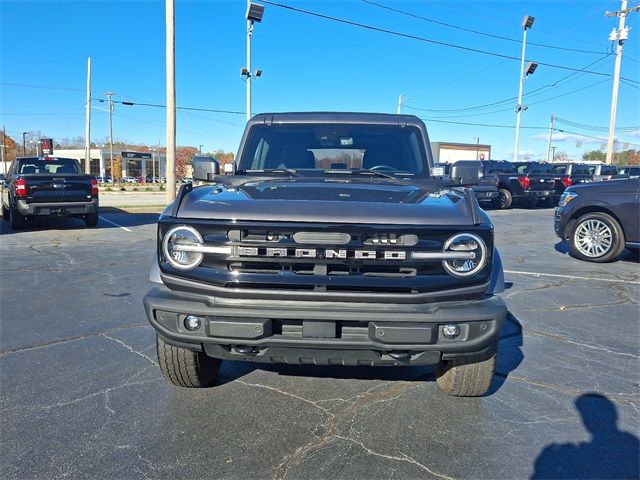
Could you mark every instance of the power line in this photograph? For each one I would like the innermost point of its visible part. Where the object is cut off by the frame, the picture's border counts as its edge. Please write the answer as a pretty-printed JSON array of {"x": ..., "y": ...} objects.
[
  {"x": 480, "y": 124},
  {"x": 424, "y": 39},
  {"x": 593, "y": 127},
  {"x": 158, "y": 105},
  {"x": 43, "y": 87},
  {"x": 499, "y": 37},
  {"x": 603, "y": 140},
  {"x": 506, "y": 100}
]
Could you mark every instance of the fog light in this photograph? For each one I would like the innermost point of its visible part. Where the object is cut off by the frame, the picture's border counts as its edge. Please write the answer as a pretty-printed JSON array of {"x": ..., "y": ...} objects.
[
  {"x": 192, "y": 323},
  {"x": 451, "y": 330}
]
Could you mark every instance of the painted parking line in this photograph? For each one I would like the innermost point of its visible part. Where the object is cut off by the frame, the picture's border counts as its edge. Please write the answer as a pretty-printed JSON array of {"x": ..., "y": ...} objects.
[
  {"x": 114, "y": 223},
  {"x": 572, "y": 277}
]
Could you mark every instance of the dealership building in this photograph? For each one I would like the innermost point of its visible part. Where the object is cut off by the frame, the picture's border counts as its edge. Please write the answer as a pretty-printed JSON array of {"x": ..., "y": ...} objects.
[{"x": 134, "y": 164}]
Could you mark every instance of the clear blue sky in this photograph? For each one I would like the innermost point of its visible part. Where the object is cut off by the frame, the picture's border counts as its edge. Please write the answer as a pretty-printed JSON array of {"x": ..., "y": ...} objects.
[{"x": 310, "y": 63}]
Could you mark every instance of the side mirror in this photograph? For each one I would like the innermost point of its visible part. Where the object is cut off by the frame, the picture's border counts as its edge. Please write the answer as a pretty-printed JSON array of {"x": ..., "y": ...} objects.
[
  {"x": 205, "y": 168},
  {"x": 466, "y": 172}
]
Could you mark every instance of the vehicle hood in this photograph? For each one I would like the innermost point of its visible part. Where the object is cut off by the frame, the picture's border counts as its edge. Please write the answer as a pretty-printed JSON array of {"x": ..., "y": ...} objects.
[
  {"x": 367, "y": 200},
  {"x": 620, "y": 185}
]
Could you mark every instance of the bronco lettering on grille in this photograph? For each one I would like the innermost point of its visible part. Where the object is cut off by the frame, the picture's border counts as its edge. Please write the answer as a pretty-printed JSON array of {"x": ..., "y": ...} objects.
[{"x": 321, "y": 253}]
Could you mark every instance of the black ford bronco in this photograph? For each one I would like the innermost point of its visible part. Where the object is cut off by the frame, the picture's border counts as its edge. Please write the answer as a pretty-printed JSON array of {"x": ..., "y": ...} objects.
[{"x": 330, "y": 244}]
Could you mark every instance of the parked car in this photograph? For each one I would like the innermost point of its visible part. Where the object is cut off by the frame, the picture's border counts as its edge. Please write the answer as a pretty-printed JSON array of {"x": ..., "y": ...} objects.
[
  {"x": 629, "y": 170},
  {"x": 486, "y": 190},
  {"x": 49, "y": 186},
  {"x": 599, "y": 219},
  {"x": 130, "y": 180},
  {"x": 523, "y": 183},
  {"x": 603, "y": 172},
  {"x": 334, "y": 246},
  {"x": 2, "y": 179},
  {"x": 567, "y": 174},
  {"x": 103, "y": 179}
]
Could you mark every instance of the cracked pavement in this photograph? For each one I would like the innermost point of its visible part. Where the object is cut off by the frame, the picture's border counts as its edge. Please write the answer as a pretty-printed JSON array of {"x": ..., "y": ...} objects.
[{"x": 82, "y": 397}]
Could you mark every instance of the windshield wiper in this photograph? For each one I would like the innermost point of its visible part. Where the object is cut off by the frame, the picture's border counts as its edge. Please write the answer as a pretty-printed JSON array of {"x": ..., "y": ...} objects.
[
  {"x": 291, "y": 172},
  {"x": 364, "y": 171}
]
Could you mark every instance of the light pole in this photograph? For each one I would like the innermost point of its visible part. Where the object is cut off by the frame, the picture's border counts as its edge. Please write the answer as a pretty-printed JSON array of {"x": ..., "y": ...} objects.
[
  {"x": 254, "y": 14},
  {"x": 527, "y": 22},
  {"x": 109, "y": 95},
  {"x": 24, "y": 144},
  {"x": 200, "y": 149},
  {"x": 477, "y": 139},
  {"x": 553, "y": 154}
]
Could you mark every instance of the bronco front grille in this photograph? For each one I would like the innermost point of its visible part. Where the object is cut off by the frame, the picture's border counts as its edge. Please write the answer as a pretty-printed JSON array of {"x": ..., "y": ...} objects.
[{"x": 365, "y": 258}]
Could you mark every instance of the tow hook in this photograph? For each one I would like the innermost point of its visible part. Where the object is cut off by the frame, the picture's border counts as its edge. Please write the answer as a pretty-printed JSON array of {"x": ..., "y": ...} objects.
[
  {"x": 400, "y": 355},
  {"x": 245, "y": 350}
]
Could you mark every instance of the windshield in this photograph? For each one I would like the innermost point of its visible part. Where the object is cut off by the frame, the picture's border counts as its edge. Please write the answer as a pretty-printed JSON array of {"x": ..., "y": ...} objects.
[
  {"x": 47, "y": 165},
  {"x": 385, "y": 148}
]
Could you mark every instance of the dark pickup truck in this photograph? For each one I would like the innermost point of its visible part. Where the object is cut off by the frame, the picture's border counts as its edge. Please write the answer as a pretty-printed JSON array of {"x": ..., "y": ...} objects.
[
  {"x": 486, "y": 190},
  {"x": 600, "y": 219},
  {"x": 48, "y": 186},
  {"x": 330, "y": 244},
  {"x": 523, "y": 183},
  {"x": 567, "y": 174}
]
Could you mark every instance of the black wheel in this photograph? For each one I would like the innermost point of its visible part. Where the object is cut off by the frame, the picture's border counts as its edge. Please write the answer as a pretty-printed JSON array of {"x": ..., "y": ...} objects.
[
  {"x": 186, "y": 368},
  {"x": 504, "y": 199},
  {"x": 596, "y": 237},
  {"x": 466, "y": 378},
  {"x": 16, "y": 219},
  {"x": 91, "y": 219}
]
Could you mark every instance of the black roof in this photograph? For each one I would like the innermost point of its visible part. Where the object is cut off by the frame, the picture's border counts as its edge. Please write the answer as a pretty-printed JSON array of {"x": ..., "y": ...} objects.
[{"x": 337, "y": 117}]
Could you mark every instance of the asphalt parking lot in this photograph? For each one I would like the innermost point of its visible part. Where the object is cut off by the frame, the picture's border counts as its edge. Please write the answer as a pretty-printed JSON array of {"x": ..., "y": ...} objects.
[{"x": 82, "y": 396}]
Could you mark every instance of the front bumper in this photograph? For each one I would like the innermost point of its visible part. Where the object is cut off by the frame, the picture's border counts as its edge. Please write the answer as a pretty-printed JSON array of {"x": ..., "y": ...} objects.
[
  {"x": 561, "y": 221},
  {"x": 340, "y": 333},
  {"x": 541, "y": 194},
  {"x": 486, "y": 196},
  {"x": 57, "y": 209}
]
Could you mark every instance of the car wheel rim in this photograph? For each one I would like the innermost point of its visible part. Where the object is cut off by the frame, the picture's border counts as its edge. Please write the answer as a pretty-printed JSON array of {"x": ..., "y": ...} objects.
[{"x": 593, "y": 238}]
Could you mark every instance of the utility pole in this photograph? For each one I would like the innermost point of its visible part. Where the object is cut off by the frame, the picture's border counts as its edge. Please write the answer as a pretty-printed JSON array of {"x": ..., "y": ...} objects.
[
  {"x": 549, "y": 141},
  {"x": 399, "y": 104},
  {"x": 477, "y": 148},
  {"x": 24, "y": 144},
  {"x": 87, "y": 126},
  {"x": 553, "y": 152},
  {"x": 527, "y": 22},
  {"x": 171, "y": 99},
  {"x": 109, "y": 95},
  {"x": 618, "y": 36}
]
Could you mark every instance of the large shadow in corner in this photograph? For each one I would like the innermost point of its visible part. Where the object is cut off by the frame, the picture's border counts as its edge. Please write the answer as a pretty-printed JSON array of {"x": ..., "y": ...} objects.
[
  {"x": 510, "y": 354},
  {"x": 611, "y": 453}
]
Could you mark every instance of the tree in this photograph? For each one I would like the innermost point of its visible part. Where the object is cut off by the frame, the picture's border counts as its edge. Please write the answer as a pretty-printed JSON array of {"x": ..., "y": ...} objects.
[
  {"x": 594, "y": 155},
  {"x": 561, "y": 157},
  {"x": 117, "y": 168},
  {"x": 224, "y": 157},
  {"x": 184, "y": 155},
  {"x": 12, "y": 150}
]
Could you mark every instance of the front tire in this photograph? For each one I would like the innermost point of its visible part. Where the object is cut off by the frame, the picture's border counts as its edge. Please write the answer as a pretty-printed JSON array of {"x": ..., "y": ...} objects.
[
  {"x": 504, "y": 199},
  {"x": 91, "y": 219},
  {"x": 186, "y": 368},
  {"x": 460, "y": 378},
  {"x": 596, "y": 237}
]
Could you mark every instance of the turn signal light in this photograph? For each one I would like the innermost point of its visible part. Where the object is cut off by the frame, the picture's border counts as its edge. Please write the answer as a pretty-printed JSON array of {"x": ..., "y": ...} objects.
[
  {"x": 525, "y": 182},
  {"x": 566, "y": 181},
  {"x": 21, "y": 188},
  {"x": 94, "y": 187}
]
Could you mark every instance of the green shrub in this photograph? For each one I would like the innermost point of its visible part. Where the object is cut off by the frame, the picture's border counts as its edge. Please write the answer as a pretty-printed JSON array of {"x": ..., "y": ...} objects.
[
  {"x": 135, "y": 189},
  {"x": 108, "y": 189}
]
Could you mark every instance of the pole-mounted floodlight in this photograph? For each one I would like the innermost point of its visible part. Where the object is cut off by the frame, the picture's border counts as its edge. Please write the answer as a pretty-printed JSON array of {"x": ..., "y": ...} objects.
[
  {"x": 530, "y": 68},
  {"x": 255, "y": 12},
  {"x": 527, "y": 21}
]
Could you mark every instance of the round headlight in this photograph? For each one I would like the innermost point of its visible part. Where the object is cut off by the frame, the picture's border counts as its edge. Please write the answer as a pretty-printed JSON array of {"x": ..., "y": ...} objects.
[
  {"x": 177, "y": 247},
  {"x": 472, "y": 253}
]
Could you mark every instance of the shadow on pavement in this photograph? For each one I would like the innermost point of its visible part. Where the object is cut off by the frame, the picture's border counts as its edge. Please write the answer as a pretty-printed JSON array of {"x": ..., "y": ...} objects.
[
  {"x": 611, "y": 453},
  {"x": 632, "y": 256},
  {"x": 510, "y": 354}
]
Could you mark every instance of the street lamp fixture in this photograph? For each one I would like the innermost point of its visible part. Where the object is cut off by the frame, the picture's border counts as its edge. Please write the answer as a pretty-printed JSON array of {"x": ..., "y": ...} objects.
[
  {"x": 255, "y": 12},
  {"x": 530, "y": 69},
  {"x": 527, "y": 21}
]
